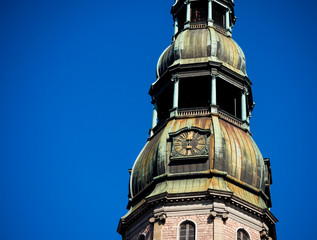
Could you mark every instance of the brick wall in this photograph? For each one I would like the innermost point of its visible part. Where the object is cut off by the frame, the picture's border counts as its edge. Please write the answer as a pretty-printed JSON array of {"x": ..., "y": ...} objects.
[
  {"x": 204, "y": 225},
  {"x": 232, "y": 226}
]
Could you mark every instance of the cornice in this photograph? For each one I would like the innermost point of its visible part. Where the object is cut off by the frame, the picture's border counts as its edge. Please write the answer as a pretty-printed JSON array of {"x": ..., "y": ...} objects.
[{"x": 210, "y": 198}]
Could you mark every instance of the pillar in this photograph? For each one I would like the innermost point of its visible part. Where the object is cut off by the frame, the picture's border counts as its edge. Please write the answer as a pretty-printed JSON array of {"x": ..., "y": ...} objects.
[
  {"x": 175, "y": 79},
  {"x": 228, "y": 19},
  {"x": 188, "y": 12},
  {"x": 175, "y": 26},
  {"x": 210, "y": 12},
  {"x": 243, "y": 106},
  {"x": 154, "y": 117},
  {"x": 176, "y": 92},
  {"x": 157, "y": 231},
  {"x": 213, "y": 93},
  {"x": 218, "y": 228},
  {"x": 213, "y": 90}
]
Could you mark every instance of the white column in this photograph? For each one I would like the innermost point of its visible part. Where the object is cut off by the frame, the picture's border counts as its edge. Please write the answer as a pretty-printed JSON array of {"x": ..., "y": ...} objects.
[
  {"x": 213, "y": 90},
  {"x": 176, "y": 93},
  {"x": 213, "y": 105},
  {"x": 188, "y": 11},
  {"x": 154, "y": 116},
  {"x": 243, "y": 106},
  {"x": 228, "y": 19},
  {"x": 175, "y": 26},
  {"x": 174, "y": 110},
  {"x": 210, "y": 10}
]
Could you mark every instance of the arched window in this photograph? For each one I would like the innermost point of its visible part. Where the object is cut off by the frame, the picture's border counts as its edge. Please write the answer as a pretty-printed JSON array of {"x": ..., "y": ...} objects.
[
  {"x": 187, "y": 231},
  {"x": 242, "y": 235}
]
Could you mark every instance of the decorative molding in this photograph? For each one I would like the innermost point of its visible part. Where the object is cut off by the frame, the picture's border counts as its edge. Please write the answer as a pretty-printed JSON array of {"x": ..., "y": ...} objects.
[
  {"x": 224, "y": 216},
  {"x": 198, "y": 73},
  {"x": 194, "y": 204},
  {"x": 231, "y": 81},
  {"x": 160, "y": 219},
  {"x": 175, "y": 78},
  {"x": 265, "y": 235}
]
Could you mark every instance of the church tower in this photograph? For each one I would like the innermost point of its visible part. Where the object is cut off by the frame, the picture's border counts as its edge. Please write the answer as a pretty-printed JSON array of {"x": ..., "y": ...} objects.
[{"x": 200, "y": 174}]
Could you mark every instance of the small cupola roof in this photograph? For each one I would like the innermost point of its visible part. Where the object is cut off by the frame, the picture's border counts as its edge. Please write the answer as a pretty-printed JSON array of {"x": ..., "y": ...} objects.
[{"x": 202, "y": 46}]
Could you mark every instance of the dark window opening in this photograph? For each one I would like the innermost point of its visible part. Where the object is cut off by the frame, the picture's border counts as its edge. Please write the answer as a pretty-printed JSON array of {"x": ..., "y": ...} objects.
[
  {"x": 219, "y": 15},
  {"x": 141, "y": 237},
  {"x": 199, "y": 12},
  {"x": 187, "y": 231},
  {"x": 229, "y": 98},
  {"x": 165, "y": 103},
  {"x": 194, "y": 92},
  {"x": 242, "y": 235},
  {"x": 181, "y": 17}
]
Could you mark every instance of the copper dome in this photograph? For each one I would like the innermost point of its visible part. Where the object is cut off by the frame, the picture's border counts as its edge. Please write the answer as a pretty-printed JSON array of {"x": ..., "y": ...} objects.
[
  {"x": 234, "y": 163},
  {"x": 202, "y": 45}
]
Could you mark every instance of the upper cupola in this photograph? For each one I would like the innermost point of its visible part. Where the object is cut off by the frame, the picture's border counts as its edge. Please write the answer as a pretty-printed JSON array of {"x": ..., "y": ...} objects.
[
  {"x": 202, "y": 46},
  {"x": 202, "y": 13},
  {"x": 202, "y": 34},
  {"x": 202, "y": 53}
]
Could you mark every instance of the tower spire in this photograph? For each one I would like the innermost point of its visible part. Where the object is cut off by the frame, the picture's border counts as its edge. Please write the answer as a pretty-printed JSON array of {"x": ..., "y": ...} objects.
[{"x": 200, "y": 175}]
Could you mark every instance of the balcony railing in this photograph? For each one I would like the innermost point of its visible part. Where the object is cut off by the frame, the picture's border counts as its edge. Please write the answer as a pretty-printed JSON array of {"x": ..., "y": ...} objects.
[
  {"x": 230, "y": 118},
  {"x": 195, "y": 25},
  {"x": 202, "y": 111},
  {"x": 220, "y": 29},
  {"x": 184, "y": 112}
]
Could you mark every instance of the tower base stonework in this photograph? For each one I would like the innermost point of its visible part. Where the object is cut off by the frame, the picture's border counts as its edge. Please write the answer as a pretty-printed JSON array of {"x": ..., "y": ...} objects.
[{"x": 213, "y": 220}]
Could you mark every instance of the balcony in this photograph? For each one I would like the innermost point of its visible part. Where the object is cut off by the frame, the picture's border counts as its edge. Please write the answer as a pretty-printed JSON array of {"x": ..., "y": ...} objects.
[
  {"x": 230, "y": 118},
  {"x": 185, "y": 112},
  {"x": 196, "y": 25}
]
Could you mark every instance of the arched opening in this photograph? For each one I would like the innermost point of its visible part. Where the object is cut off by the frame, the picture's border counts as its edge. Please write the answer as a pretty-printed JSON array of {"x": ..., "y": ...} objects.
[
  {"x": 219, "y": 14},
  {"x": 181, "y": 17},
  {"x": 242, "y": 235},
  {"x": 229, "y": 98},
  {"x": 199, "y": 12},
  {"x": 194, "y": 92},
  {"x": 165, "y": 103},
  {"x": 187, "y": 231}
]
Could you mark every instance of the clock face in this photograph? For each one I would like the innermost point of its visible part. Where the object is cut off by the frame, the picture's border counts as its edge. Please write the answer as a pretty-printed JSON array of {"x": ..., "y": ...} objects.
[{"x": 189, "y": 143}]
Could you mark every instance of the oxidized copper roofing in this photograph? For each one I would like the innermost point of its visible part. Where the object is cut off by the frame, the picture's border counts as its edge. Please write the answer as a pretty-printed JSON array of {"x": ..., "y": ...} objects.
[
  {"x": 238, "y": 155},
  {"x": 200, "y": 46},
  {"x": 235, "y": 164}
]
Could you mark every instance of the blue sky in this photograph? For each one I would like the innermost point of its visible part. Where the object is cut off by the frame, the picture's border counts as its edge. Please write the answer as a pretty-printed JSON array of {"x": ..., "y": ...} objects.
[{"x": 74, "y": 78}]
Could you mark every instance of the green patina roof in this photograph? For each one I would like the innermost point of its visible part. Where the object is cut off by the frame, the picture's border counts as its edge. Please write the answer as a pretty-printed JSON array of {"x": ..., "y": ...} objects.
[{"x": 234, "y": 165}]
